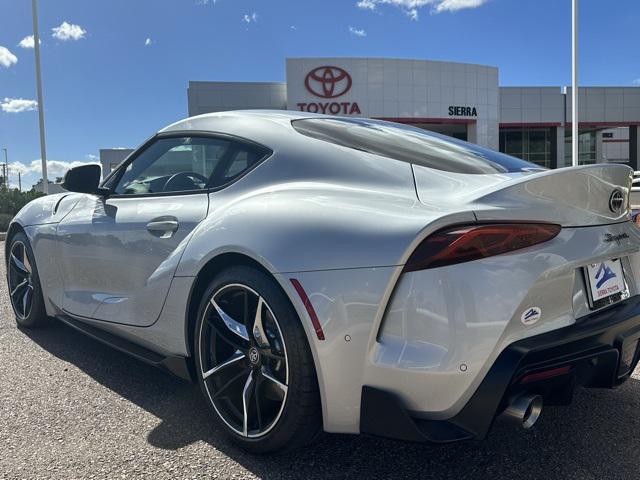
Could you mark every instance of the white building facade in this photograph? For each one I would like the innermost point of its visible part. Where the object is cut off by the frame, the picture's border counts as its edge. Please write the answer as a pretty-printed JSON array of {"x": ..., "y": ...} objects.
[
  {"x": 457, "y": 99},
  {"x": 110, "y": 158}
]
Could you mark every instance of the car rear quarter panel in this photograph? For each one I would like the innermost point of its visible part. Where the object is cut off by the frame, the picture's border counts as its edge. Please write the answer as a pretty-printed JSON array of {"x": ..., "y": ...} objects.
[{"x": 298, "y": 227}]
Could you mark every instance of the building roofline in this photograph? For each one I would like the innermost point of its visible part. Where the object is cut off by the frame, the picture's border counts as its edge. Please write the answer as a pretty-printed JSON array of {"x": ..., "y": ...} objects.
[
  {"x": 207, "y": 82},
  {"x": 340, "y": 57}
]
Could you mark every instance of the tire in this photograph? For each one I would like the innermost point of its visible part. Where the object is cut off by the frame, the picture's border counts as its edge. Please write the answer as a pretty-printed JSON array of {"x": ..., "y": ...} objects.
[
  {"x": 279, "y": 404},
  {"x": 26, "y": 300}
]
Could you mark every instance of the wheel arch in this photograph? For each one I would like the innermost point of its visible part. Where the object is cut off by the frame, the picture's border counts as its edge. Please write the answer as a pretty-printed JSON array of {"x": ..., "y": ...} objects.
[
  {"x": 14, "y": 228},
  {"x": 202, "y": 279}
]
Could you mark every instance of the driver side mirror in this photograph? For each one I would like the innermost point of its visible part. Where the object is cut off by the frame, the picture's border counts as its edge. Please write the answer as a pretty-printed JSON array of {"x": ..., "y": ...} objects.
[{"x": 84, "y": 179}]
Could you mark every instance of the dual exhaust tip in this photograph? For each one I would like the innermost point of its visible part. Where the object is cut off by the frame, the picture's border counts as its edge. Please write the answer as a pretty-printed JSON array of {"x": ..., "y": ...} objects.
[{"x": 524, "y": 410}]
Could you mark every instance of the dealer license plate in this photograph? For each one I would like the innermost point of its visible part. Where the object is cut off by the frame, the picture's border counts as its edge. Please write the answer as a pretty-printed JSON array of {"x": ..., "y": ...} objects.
[{"x": 606, "y": 282}]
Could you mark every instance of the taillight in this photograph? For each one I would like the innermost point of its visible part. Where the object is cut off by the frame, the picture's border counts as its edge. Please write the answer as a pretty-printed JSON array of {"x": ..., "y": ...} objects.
[{"x": 472, "y": 242}]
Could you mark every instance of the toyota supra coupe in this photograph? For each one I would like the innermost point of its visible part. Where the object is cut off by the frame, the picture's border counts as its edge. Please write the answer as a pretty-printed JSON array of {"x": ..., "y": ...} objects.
[{"x": 341, "y": 274}]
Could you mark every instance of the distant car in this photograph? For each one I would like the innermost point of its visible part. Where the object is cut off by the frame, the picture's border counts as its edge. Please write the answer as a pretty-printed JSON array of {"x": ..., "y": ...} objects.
[{"x": 348, "y": 274}]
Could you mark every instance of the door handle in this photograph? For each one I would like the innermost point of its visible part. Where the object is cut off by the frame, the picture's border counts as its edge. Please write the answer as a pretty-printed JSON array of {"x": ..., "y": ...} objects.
[{"x": 162, "y": 228}]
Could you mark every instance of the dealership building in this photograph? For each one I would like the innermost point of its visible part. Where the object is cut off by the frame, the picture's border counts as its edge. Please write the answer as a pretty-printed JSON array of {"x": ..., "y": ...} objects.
[{"x": 457, "y": 99}]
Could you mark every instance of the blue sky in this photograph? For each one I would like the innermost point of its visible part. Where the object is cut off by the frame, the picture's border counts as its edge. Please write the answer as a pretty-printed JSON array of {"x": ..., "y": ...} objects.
[{"x": 105, "y": 85}]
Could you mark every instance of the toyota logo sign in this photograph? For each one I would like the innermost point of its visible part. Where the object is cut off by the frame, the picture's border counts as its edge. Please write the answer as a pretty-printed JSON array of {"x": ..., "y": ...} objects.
[
  {"x": 328, "y": 82},
  {"x": 616, "y": 201}
]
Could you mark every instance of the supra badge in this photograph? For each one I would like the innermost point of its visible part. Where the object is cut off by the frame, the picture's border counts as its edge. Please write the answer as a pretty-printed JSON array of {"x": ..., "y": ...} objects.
[
  {"x": 609, "y": 237},
  {"x": 531, "y": 315}
]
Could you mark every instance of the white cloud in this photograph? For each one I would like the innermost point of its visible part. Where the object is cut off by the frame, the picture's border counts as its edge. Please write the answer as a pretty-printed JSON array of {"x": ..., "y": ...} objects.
[
  {"x": 91, "y": 157},
  {"x": 68, "y": 31},
  {"x": 28, "y": 42},
  {"x": 32, "y": 172},
  {"x": 55, "y": 168},
  {"x": 412, "y": 7},
  {"x": 636, "y": 81},
  {"x": 17, "y": 105},
  {"x": 250, "y": 18},
  {"x": 367, "y": 4},
  {"x": 455, "y": 5},
  {"x": 7, "y": 58},
  {"x": 358, "y": 32},
  {"x": 148, "y": 42},
  {"x": 293, "y": 27}
]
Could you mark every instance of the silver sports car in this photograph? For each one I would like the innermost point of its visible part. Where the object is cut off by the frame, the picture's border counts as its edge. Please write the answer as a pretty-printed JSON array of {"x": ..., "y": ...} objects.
[{"x": 352, "y": 275}]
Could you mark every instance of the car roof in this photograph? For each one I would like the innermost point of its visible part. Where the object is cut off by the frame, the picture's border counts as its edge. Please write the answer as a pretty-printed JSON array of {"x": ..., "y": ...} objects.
[{"x": 278, "y": 116}]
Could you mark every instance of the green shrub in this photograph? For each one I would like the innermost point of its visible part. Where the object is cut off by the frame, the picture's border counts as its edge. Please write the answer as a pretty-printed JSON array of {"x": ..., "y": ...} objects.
[
  {"x": 11, "y": 201},
  {"x": 5, "y": 219}
]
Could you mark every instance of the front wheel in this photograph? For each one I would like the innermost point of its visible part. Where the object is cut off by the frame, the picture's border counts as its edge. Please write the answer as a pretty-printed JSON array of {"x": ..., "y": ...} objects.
[
  {"x": 254, "y": 363},
  {"x": 24, "y": 284}
]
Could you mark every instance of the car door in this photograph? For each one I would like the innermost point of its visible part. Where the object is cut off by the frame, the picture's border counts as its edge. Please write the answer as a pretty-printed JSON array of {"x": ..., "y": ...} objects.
[{"x": 119, "y": 252}]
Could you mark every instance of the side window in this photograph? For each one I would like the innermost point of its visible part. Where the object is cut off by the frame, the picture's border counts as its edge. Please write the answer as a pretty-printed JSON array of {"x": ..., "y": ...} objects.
[
  {"x": 241, "y": 159},
  {"x": 174, "y": 165}
]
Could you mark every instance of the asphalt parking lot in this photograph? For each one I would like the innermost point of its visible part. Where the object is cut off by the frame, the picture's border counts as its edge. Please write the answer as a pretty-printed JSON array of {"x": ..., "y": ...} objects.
[{"x": 71, "y": 407}]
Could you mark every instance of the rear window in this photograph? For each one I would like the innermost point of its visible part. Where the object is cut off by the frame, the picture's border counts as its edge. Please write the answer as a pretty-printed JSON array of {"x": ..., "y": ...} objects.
[{"x": 411, "y": 145}]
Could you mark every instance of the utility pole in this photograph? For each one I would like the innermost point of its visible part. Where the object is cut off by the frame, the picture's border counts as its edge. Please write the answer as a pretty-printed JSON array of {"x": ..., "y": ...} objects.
[
  {"x": 574, "y": 86},
  {"x": 5, "y": 169},
  {"x": 43, "y": 147},
  {"x": 19, "y": 181}
]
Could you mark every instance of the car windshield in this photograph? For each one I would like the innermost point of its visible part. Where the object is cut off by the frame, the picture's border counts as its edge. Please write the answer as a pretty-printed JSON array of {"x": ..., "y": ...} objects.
[{"x": 411, "y": 144}]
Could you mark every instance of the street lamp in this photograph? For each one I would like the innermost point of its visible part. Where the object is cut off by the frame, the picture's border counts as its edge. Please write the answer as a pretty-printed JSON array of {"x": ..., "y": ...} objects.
[{"x": 36, "y": 46}]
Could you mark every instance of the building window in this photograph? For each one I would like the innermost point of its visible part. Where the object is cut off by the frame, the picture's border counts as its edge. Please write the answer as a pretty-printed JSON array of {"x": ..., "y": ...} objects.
[
  {"x": 531, "y": 144},
  {"x": 615, "y": 145},
  {"x": 586, "y": 147}
]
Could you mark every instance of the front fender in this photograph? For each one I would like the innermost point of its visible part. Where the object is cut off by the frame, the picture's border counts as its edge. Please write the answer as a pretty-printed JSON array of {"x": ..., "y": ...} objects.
[
  {"x": 39, "y": 220},
  {"x": 47, "y": 209}
]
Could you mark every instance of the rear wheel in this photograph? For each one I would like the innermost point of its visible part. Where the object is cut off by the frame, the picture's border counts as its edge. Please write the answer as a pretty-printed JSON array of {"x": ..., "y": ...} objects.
[
  {"x": 24, "y": 284},
  {"x": 254, "y": 363}
]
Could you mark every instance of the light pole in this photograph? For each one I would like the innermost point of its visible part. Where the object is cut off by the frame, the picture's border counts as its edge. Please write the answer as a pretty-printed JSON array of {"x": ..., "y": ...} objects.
[
  {"x": 43, "y": 147},
  {"x": 574, "y": 85}
]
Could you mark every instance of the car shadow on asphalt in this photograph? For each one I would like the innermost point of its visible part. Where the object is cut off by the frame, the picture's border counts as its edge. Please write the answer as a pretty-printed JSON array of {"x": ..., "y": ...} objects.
[{"x": 596, "y": 437}]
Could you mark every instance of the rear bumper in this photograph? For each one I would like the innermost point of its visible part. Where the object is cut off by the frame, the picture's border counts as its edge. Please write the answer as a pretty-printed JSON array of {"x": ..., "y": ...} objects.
[{"x": 601, "y": 350}]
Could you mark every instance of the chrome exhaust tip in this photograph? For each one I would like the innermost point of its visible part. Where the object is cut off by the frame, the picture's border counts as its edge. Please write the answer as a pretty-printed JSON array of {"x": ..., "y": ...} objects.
[{"x": 524, "y": 410}]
